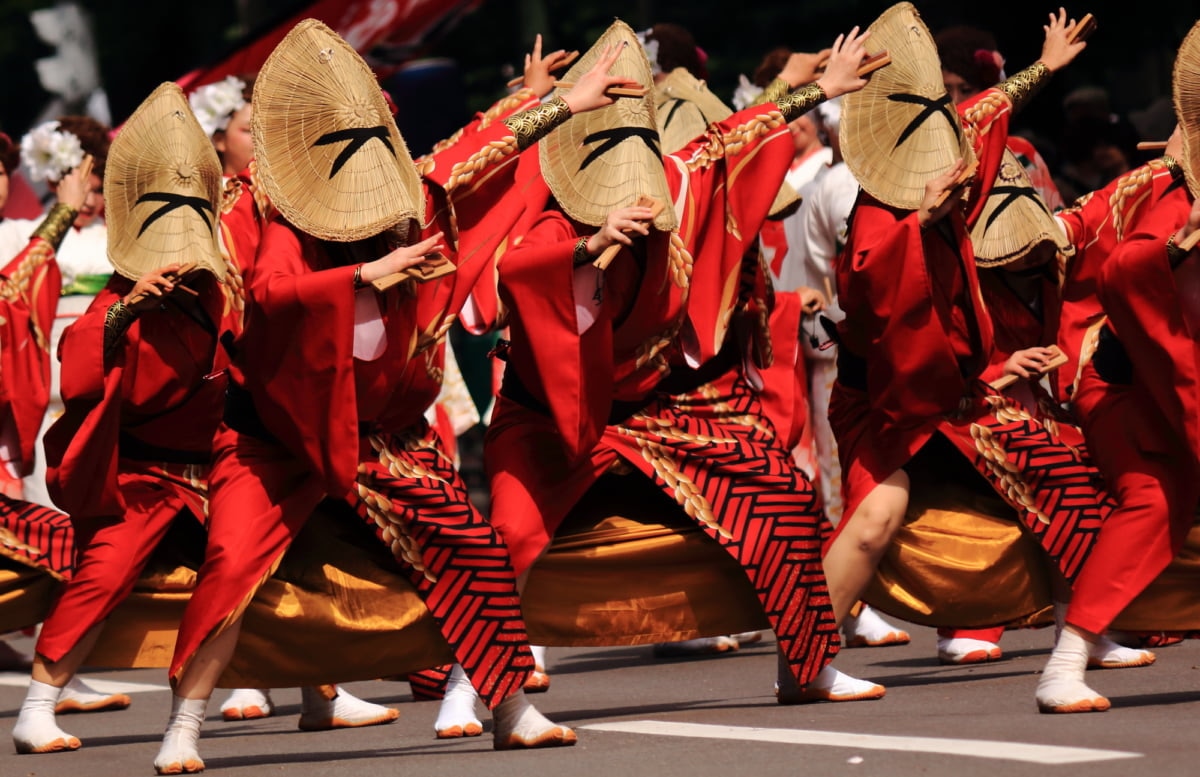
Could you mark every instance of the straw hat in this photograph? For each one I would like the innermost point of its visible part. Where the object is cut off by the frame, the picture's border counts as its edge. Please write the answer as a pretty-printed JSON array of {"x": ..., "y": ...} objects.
[
  {"x": 901, "y": 129},
  {"x": 162, "y": 189},
  {"x": 685, "y": 106},
  {"x": 1185, "y": 84},
  {"x": 328, "y": 152},
  {"x": 605, "y": 159},
  {"x": 1015, "y": 219}
]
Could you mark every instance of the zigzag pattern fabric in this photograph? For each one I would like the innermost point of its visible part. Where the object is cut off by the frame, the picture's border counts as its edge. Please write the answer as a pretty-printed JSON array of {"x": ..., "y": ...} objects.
[
  {"x": 1054, "y": 488},
  {"x": 414, "y": 497},
  {"x": 714, "y": 453},
  {"x": 36, "y": 535}
]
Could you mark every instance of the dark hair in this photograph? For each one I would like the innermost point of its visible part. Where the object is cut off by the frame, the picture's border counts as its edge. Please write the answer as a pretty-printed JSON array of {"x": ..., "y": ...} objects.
[
  {"x": 969, "y": 52},
  {"x": 93, "y": 136},
  {"x": 10, "y": 154},
  {"x": 677, "y": 48},
  {"x": 771, "y": 66}
]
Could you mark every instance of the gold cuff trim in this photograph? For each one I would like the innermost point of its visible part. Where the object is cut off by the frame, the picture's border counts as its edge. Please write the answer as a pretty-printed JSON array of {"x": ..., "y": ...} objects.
[
  {"x": 116, "y": 321},
  {"x": 775, "y": 91},
  {"x": 54, "y": 227},
  {"x": 801, "y": 101},
  {"x": 1021, "y": 86},
  {"x": 581, "y": 256},
  {"x": 1173, "y": 166},
  {"x": 530, "y": 126},
  {"x": 1175, "y": 254}
]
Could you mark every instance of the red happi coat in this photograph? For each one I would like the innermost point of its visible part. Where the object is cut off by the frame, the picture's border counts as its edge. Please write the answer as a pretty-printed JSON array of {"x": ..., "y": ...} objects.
[
  {"x": 163, "y": 389},
  {"x": 1095, "y": 224},
  {"x": 914, "y": 314},
  {"x": 298, "y": 360},
  {"x": 29, "y": 291},
  {"x": 580, "y": 380},
  {"x": 1147, "y": 302}
]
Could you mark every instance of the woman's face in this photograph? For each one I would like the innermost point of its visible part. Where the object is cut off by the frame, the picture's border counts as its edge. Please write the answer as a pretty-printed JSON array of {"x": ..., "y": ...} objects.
[
  {"x": 235, "y": 144},
  {"x": 957, "y": 87}
]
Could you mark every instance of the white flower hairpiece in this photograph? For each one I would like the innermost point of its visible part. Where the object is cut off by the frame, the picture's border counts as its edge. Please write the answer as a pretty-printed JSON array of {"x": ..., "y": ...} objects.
[
  {"x": 214, "y": 104},
  {"x": 745, "y": 94},
  {"x": 49, "y": 153},
  {"x": 650, "y": 46}
]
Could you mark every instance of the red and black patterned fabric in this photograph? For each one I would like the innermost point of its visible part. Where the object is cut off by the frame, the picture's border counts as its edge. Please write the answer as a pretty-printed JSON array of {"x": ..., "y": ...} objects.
[{"x": 37, "y": 536}]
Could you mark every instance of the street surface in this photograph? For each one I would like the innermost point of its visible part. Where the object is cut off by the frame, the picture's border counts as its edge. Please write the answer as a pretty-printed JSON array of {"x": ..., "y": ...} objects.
[{"x": 708, "y": 717}]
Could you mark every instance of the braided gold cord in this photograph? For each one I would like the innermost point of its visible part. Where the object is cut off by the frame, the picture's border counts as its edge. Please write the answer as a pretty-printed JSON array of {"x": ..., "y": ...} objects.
[
  {"x": 1131, "y": 191},
  {"x": 730, "y": 143},
  {"x": 16, "y": 286},
  {"x": 506, "y": 105},
  {"x": 464, "y": 172},
  {"x": 680, "y": 262},
  {"x": 398, "y": 466},
  {"x": 651, "y": 350},
  {"x": 1002, "y": 468},
  {"x": 10, "y": 540},
  {"x": 686, "y": 494},
  {"x": 392, "y": 528}
]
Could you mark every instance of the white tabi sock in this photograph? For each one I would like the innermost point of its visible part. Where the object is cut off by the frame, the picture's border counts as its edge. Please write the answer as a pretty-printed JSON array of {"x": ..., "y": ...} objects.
[
  {"x": 518, "y": 724},
  {"x": 1061, "y": 687},
  {"x": 456, "y": 716},
  {"x": 180, "y": 751},
  {"x": 247, "y": 704},
  {"x": 344, "y": 710},
  {"x": 36, "y": 730}
]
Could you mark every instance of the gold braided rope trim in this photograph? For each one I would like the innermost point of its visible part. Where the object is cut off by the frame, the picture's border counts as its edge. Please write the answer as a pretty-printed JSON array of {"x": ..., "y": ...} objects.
[
  {"x": 1021, "y": 86},
  {"x": 1130, "y": 192},
  {"x": 464, "y": 172},
  {"x": 392, "y": 528},
  {"x": 1004, "y": 470},
  {"x": 432, "y": 369},
  {"x": 397, "y": 466},
  {"x": 16, "y": 286},
  {"x": 686, "y": 494},
  {"x": 651, "y": 350},
  {"x": 266, "y": 210},
  {"x": 720, "y": 146},
  {"x": 530, "y": 126},
  {"x": 230, "y": 195},
  {"x": 440, "y": 146},
  {"x": 658, "y": 428},
  {"x": 10, "y": 540},
  {"x": 680, "y": 262},
  {"x": 234, "y": 285},
  {"x": 975, "y": 117},
  {"x": 506, "y": 105}
]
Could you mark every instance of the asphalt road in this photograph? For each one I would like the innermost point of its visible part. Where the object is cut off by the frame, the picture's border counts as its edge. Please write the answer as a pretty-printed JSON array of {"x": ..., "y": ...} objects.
[{"x": 637, "y": 715}]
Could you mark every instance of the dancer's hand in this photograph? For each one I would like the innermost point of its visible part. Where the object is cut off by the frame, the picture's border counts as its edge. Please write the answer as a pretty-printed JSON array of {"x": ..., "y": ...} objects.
[
  {"x": 590, "y": 92},
  {"x": 1028, "y": 363},
  {"x": 802, "y": 68},
  {"x": 811, "y": 300},
  {"x": 933, "y": 208},
  {"x": 1058, "y": 51},
  {"x": 841, "y": 74},
  {"x": 75, "y": 186},
  {"x": 633, "y": 219},
  {"x": 152, "y": 288},
  {"x": 538, "y": 68},
  {"x": 401, "y": 259}
]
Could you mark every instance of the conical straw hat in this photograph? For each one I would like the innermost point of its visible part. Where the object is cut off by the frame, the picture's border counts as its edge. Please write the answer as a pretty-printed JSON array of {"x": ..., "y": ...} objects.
[
  {"x": 901, "y": 129},
  {"x": 605, "y": 159},
  {"x": 162, "y": 189},
  {"x": 1185, "y": 84},
  {"x": 328, "y": 152},
  {"x": 685, "y": 106},
  {"x": 1015, "y": 219}
]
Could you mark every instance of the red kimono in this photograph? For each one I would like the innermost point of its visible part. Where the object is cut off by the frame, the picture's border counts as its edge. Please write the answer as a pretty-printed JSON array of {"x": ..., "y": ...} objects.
[
  {"x": 583, "y": 389},
  {"x": 1137, "y": 400},
  {"x": 915, "y": 341},
  {"x": 312, "y": 416},
  {"x": 31, "y": 534},
  {"x": 131, "y": 452}
]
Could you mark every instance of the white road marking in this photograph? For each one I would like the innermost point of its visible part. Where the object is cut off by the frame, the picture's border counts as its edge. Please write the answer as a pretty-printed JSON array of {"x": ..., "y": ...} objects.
[
  {"x": 975, "y": 748},
  {"x": 19, "y": 680}
]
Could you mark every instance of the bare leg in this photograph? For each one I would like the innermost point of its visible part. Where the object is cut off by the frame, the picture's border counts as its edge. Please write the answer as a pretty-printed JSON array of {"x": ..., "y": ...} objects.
[
  {"x": 36, "y": 730},
  {"x": 854, "y": 554}
]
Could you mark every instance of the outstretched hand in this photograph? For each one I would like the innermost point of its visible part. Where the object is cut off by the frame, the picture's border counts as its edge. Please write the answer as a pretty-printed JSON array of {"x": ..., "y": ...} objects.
[
  {"x": 1058, "y": 51},
  {"x": 401, "y": 259},
  {"x": 841, "y": 74},
  {"x": 539, "y": 68},
  {"x": 590, "y": 91}
]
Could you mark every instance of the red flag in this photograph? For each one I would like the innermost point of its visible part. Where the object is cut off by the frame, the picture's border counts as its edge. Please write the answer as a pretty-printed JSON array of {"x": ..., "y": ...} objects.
[{"x": 364, "y": 24}]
